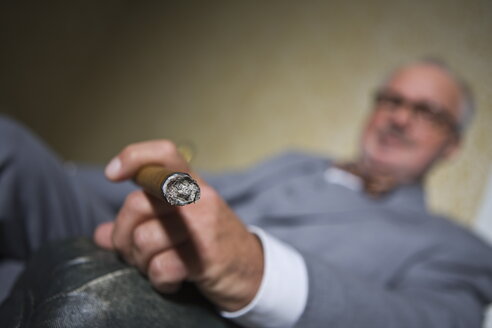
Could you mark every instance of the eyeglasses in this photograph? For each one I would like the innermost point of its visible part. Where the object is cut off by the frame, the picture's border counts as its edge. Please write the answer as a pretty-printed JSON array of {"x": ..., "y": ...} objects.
[{"x": 424, "y": 111}]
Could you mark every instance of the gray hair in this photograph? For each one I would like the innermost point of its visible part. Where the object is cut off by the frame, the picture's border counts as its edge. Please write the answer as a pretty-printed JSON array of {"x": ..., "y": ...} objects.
[{"x": 467, "y": 107}]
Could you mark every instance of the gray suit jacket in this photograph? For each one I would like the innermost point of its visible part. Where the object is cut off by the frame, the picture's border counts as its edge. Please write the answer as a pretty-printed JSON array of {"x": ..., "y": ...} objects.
[
  {"x": 379, "y": 264},
  {"x": 371, "y": 263}
]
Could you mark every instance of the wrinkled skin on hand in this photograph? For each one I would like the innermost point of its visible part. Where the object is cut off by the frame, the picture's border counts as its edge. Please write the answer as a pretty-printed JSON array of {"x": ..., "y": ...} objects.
[{"x": 204, "y": 243}]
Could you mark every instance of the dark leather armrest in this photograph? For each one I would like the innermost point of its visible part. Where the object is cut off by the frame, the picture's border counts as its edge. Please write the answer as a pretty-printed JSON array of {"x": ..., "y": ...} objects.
[{"x": 76, "y": 284}]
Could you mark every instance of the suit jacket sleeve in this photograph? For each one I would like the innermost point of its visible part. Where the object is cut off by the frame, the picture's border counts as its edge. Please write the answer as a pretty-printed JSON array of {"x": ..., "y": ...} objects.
[{"x": 439, "y": 288}]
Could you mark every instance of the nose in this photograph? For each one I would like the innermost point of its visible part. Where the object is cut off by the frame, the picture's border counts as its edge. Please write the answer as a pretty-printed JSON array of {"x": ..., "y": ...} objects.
[{"x": 402, "y": 115}]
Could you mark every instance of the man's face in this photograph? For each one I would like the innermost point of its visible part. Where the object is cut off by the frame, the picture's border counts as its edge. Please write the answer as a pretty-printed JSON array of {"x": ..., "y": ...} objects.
[{"x": 412, "y": 125}]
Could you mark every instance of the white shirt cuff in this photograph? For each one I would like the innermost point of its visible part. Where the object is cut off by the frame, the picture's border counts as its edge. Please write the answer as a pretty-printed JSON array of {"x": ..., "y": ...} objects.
[{"x": 283, "y": 291}]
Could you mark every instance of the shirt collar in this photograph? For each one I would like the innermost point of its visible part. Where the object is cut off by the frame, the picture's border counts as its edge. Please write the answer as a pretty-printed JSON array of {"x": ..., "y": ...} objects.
[
  {"x": 341, "y": 177},
  {"x": 411, "y": 196}
]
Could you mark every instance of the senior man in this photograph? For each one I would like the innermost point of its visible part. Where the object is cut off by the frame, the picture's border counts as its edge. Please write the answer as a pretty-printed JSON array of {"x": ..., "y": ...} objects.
[{"x": 306, "y": 241}]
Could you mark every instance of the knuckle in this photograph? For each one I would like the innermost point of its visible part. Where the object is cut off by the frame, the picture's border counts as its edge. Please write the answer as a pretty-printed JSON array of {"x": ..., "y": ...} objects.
[
  {"x": 167, "y": 148},
  {"x": 137, "y": 202},
  {"x": 130, "y": 198},
  {"x": 129, "y": 153},
  {"x": 140, "y": 237}
]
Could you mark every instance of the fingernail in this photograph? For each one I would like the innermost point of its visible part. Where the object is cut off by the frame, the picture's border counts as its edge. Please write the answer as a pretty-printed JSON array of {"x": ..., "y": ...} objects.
[{"x": 113, "y": 168}]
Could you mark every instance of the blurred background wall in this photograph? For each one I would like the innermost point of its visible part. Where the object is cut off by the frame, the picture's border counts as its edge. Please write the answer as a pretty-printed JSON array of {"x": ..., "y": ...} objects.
[{"x": 240, "y": 80}]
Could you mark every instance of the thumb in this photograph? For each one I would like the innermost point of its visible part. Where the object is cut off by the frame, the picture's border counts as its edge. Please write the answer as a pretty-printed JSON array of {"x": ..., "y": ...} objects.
[
  {"x": 133, "y": 157},
  {"x": 103, "y": 235}
]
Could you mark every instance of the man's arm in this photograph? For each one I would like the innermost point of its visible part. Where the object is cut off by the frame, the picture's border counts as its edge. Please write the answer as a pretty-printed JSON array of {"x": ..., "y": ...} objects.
[{"x": 232, "y": 263}]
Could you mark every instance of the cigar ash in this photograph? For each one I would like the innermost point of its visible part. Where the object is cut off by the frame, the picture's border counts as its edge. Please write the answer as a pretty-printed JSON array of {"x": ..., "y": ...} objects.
[{"x": 180, "y": 189}]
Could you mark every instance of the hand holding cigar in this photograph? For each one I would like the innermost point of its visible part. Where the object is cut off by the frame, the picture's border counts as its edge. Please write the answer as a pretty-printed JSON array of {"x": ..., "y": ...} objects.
[
  {"x": 206, "y": 243},
  {"x": 176, "y": 188}
]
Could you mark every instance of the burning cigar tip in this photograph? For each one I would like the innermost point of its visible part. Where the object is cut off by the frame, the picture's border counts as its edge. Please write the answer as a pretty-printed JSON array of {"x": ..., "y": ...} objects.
[
  {"x": 180, "y": 189},
  {"x": 176, "y": 188}
]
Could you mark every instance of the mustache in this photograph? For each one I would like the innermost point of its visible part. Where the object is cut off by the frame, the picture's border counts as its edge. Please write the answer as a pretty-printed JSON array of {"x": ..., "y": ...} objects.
[{"x": 397, "y": 132}]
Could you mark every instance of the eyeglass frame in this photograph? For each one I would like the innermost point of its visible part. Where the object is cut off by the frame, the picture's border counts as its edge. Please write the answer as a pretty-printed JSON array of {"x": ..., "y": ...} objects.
[{"x": 432, "y": 113}]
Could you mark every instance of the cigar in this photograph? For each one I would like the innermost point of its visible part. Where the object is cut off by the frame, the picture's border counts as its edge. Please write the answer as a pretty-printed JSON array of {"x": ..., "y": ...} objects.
[{"x": 176, "y": 188}]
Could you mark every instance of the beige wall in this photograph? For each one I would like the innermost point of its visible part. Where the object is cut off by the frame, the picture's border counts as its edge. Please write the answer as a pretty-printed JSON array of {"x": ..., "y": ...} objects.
[{"x": 239, "y": 79}]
